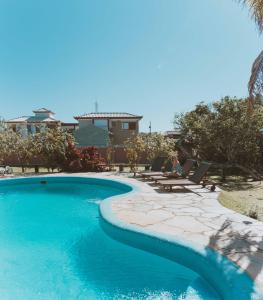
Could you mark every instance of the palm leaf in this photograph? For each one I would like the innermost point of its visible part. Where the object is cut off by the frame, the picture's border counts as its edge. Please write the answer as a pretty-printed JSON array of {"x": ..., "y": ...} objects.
[
  {"x": 255, "y": 85},
  {"x": 256, "y": 10}
]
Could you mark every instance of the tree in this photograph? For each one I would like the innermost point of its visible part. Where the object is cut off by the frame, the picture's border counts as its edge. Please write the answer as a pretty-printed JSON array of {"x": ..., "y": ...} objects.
[
  {"x": 156, "y": 144},
  {"x": 134, "y": 147},
  {"x": 223, "y": 132},
  {"x": 2, "y": 125},
  {"x": 255, "y": 85},
  {"x": 14, "y": 148},
  {"x": 149, "y": 145},
  {"x": 51, "y": 146},
  {"x": 85, "y": 159}
]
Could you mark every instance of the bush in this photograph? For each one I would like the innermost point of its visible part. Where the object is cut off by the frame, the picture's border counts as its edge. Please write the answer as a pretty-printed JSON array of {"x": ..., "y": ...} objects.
[
  {"x": 253, "y": 213},
  {"x": 224, "y": 132},
  {"x": 85, "y": 159},
  {"x": 53, "y": 148}
]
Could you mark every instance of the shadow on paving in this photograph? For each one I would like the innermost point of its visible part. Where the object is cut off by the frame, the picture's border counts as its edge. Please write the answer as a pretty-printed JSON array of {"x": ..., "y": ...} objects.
[{"x": 238, "y": 247}]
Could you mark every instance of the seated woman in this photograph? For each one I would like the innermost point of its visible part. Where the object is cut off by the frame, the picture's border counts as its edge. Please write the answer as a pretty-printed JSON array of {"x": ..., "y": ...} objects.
[{"x": 177, "y": 169}]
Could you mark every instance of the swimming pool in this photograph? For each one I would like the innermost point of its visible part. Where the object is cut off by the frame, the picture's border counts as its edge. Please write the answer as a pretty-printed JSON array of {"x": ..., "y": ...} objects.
[{"x": 53, "y": 247}]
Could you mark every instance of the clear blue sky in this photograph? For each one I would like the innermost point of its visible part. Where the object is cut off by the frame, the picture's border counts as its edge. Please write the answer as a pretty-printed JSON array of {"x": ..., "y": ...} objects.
[{"x": 148, "y": 57}]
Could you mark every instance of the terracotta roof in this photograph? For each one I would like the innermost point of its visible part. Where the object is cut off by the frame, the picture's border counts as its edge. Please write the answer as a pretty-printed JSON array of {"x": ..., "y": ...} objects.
[{"x": 108, "y": 115}]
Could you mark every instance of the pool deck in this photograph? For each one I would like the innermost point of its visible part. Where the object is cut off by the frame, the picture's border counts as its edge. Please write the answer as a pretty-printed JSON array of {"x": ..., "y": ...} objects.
[{"x": 195, "y": 216}]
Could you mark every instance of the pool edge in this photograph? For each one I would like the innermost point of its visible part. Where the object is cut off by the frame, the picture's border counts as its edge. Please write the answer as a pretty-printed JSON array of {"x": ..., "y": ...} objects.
[
  {"x": 110, "y": 223},
  {"x": 111, "y": 219}
]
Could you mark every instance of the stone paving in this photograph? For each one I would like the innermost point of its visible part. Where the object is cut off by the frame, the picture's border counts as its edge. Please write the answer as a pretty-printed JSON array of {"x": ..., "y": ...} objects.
[{"x": 195, "y": 216}]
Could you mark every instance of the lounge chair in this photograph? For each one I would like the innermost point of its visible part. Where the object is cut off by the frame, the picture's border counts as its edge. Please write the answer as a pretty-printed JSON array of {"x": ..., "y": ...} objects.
[
  {"x": 8, "y": 170},
  {"x": 157, "y": 167},
  {"x": 187, "y": 166},
  {"x": 195, "y": 179},
  {"x": 2, "y": 171}
]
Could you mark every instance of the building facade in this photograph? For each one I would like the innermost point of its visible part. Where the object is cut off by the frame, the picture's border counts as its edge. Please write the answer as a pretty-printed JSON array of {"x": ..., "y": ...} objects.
[
  {"x": 26, "y": 125},
  {"x": 104, "y": 129}
]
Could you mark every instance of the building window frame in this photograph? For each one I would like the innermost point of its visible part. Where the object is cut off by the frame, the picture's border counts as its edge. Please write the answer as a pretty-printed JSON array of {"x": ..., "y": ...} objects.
[{"x": 125, "y": 125}]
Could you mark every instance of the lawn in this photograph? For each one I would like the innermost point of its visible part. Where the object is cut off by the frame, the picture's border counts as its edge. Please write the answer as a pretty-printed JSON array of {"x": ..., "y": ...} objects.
[{"x": 245, "y": 198}]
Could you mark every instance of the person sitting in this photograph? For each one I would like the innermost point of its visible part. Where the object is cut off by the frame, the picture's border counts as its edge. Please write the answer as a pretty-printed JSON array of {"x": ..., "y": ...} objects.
[{"x": 177, "y": 169}]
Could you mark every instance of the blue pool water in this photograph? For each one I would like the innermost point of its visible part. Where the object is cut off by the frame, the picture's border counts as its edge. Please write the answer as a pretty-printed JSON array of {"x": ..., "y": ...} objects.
[{"x": 52, "y": 247}]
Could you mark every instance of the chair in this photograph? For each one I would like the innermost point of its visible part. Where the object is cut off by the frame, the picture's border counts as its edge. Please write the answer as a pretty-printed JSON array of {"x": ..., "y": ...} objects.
[
  {"x": 195, "y": 179},
  {"x": 187, "y": 166},
  {"x": 157, "y": 166},
  {"x": 8, "y": 170},
  {"x": 2, "y": 171}
]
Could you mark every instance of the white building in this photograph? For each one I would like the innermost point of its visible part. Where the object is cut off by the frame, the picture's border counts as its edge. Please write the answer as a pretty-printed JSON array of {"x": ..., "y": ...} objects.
[{"x": 26, "y": 125}]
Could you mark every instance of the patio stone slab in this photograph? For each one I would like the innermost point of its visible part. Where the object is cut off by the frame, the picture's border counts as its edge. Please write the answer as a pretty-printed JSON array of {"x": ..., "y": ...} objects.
[{"x": 196, "y": 217}]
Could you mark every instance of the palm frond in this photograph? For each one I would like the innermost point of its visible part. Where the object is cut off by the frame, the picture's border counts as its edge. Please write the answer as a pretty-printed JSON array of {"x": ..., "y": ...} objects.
[
  {"x": 256, "y": 10},
  {"x": 255, "y": 85}
]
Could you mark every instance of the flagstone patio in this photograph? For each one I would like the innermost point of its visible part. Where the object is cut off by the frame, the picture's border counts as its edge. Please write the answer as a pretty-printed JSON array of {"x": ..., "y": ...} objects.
[{"x": 194, "y": 216}]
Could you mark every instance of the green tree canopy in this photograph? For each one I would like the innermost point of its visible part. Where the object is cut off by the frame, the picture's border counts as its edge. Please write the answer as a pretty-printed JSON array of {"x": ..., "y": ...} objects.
[
  {"x": 150, "y": 146},
  {"x": 48, "y": 147},
  {"x": 224, "y": 132}
]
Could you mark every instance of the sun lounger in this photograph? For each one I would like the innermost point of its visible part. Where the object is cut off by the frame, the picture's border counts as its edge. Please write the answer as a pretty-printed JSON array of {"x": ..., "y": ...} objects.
[
  {"x": 156, "y": 168},
  {"x": 2, "y": 171},
  {"x": 8, "y": 170},
  {"x": 150, "y": 174},
  {"x": 187, "y": 166},
  {"x": 195, "y": 179}
]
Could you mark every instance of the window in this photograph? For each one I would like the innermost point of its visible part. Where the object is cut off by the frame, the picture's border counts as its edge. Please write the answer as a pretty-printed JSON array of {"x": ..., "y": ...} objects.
[
  {"x": 129, "y": 125},
  {"x": 125, "y": 125},
  {"x": 101, "y": 123}
]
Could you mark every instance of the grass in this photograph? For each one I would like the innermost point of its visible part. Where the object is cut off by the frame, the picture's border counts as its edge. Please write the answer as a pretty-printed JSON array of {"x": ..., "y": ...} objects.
[
  {"x": 28, "y": 171},
  {"x": 243, "y": 197}
]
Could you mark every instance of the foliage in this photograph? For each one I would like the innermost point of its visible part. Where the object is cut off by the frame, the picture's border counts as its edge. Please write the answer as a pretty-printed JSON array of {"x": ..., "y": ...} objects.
[
  {"x": 134, "y": 147},
  {"x": 255, "y": 84},
  {"x": 110, "y": 155},
  {"x": 256, "y": 9},
  {"x": 91, "y": 160},
  {"x": 13, "y": 147},
  {"x": 52, "y": 148},
  {"x": 224, "y": 132},
  {"x": 85, "y": 159},
  {"x": 51, "y": 145},
  {"x": 149, "y": 145},
  {"x": 253, "y": 212},
  {"x": 157, "y": 144},
  {"x": 2, "y": 125}
]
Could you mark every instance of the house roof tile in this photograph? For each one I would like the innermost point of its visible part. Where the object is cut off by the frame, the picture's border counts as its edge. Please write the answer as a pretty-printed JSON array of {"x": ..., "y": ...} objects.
[
  {"x": 108, "y": 115},
  {"x": 32, "y": 119}
]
